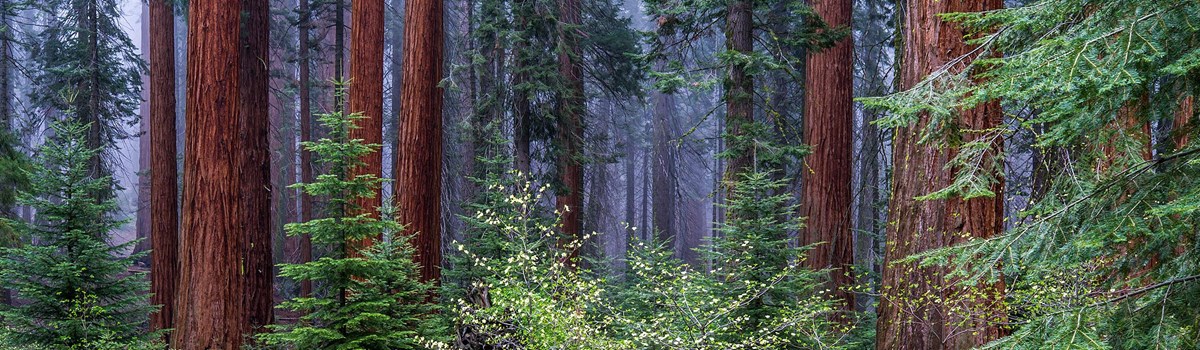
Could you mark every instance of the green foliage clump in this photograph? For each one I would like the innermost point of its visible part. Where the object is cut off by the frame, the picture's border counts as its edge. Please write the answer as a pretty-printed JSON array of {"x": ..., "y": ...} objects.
[
  {"x": 755, "y": 296},
  {"x": 13, "y": 167},
  {"x": 76, "y": 289},
  {"x": 527, "y": 293},
  {"x": 367, "y": 297}
]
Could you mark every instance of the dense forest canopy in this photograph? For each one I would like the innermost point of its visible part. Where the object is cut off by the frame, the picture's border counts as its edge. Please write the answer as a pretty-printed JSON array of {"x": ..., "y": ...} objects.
[{"x": 599, "y": 174}]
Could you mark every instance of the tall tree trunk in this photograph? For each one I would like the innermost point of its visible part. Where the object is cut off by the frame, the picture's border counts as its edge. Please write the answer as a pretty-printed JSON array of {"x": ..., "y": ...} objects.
[
  {"x": 211, "y": 309},
  {"x": 254, "y": 124},
  {"x": 664, "y": 189},
  {"x": 6, "y": 56},
  {"x": 6, "y": 117},
  {"x": 339, "y": 51},
  {"x": 143, "y": 184},
  {"x": 91, "y": 111},
  {"x": 366, "y": 95},
  {"x": 418, "y": 186},
  {"x": 828, "y": 129},
  {"x": 306, "y": 128},
  {"x": 397, "y": 41},
  {"x": 630, "y": 186},
  {"x": 739, "y": 93},
  {"x": 663, "y": 170},
  {"x": 908, "y": 317},
  {"x": 522, "y": 108},
  {"x": 569, "y": 200},
  {"x": 164, "y": 186},
  {"x": 647, "y": 174}
]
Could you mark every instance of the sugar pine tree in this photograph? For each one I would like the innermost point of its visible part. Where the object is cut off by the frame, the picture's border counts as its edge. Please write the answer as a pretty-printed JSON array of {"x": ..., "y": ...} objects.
[
  {"x": 365, "y": 297},
  {"x": 73, "y": 281}
]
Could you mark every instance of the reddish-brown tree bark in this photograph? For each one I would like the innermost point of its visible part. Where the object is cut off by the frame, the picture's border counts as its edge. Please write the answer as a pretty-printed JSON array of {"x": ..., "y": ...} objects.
[
  {"x": 1183, "y": 121},
  {"x": 211, "y": 311},
  {"x": 256, "y": 158},
  {"x": 919, "y": 307},
  {"x": 828, "y": 119},
  {"x": 164, "y": 186},
  {"x": 419, "y": 161},
  {"x": 570, "y": 120},
  {"x": 366, "y": 93},
  {"x": 306, "y": 127}
]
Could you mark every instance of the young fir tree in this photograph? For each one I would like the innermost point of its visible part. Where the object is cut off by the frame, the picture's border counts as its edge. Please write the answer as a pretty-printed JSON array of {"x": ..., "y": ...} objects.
[
  {"x": 758, "y": 295},
  {"x": 366, "y": 297},
  {"x": 74, "y": 283}
]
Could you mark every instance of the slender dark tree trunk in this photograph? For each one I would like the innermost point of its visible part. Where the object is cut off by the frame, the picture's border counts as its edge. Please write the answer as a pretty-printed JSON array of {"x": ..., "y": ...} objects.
[
  {"x": 306, "y": 128},
  {"x": 366, "y": 94},
  {"x": 339, "y": 51},
  {"x": 663, "y": 170},
  {"x": 254, "y": 136},
  {"x": 6, "y": 108},
  {"x": 6, "y": 83},
  {"x": 647, "y": 174},
  {"x": 164, "y": 186},
  {"x": 521, "y": 97},
  {"x": 143, "y": 194},
  {"x": 630, "y": 186},
  {"x": 739, "y": 92},
  {"x": 664, "y": 158},
  {"x": 397, "y": 77},
  {"x": 914, "y": 305},
  {"x": 418, "y": 186},
  {"x": 570, "y": 120},
  {"x": 211, "y": 308},
  {"x": 828, "y": 129}
]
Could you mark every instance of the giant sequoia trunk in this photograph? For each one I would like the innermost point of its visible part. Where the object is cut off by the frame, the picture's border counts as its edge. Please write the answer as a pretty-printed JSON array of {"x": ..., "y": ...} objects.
[
  {"x": 828, "y": 122},
  {"x": 920, "y": 308},
  {"x": 419, "y": 166},
  {"x": 366, "y": 94},
  {"x": 569, "y": 200},
  {"x": 211, "y": 310},
  {"x": 164, "y": 188},
  {"x": 254, "y": 136}
]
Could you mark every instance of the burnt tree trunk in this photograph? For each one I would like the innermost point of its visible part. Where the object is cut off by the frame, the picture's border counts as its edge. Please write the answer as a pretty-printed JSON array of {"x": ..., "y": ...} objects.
[
  {"x": 164, "y": 186},
  {"x": 828, "y": 124},
  {"x": 211, "y": 306},
  {"x": 908, "y": 317},
  {"x": 419, "y": 165}
]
